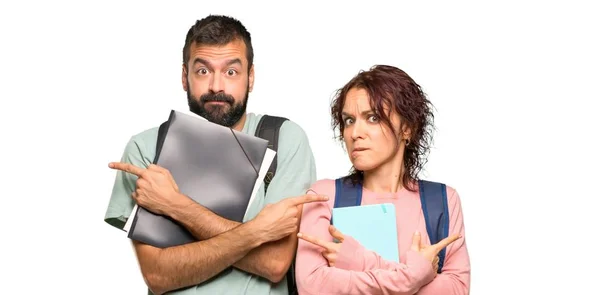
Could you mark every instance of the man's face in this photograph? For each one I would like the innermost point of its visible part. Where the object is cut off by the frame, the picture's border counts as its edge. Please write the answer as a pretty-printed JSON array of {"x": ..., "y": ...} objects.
[{"x": 217, "y": 82}]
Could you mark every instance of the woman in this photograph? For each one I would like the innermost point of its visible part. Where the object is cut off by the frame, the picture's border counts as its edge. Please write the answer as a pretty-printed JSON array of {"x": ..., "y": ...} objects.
[{"x": 384, "y": 120}]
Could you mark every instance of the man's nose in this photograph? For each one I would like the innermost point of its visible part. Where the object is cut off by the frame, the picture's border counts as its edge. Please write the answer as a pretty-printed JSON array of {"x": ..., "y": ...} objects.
[{"x": 216, "y": 83}]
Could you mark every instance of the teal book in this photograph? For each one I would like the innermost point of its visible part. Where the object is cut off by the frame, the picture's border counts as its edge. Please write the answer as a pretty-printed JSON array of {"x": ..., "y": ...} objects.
[{"x": 373, "y": 226}]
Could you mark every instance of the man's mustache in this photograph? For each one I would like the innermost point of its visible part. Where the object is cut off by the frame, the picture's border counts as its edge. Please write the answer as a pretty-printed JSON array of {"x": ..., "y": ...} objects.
[{"x": 220, "y": 97}]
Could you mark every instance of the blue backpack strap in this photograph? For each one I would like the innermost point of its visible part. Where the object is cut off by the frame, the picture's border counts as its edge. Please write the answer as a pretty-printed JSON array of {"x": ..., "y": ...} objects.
[
  {"x": 346, "y": 194},
  {"x": 434, "y": 203}
]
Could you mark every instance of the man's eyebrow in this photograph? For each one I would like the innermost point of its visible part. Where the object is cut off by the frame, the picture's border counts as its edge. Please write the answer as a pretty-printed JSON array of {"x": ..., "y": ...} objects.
[
  {"x": 199, "y": 60},
  {"x": 207, "y": 63},
  {"x": 234, "y": 61}
]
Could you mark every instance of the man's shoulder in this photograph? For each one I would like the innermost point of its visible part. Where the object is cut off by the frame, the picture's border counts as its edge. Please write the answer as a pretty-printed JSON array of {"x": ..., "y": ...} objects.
[
  {"x": 291, "y": 126},
  {"x": 143, "y": 142},
  {"x": 289, "y": 132},
  {"x": 146, "y": 135},
  {"x": 288, "y": 124}
]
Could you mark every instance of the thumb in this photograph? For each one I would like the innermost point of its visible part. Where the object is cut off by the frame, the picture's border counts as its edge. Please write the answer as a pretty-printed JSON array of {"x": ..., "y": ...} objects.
[
  {"x": 336, "y": 233},
  {"x": 416, "y": 243}
]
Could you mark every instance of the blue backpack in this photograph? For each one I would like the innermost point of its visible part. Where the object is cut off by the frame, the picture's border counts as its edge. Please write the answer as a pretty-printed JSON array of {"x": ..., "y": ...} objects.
[{"x": 434, "y": 203}]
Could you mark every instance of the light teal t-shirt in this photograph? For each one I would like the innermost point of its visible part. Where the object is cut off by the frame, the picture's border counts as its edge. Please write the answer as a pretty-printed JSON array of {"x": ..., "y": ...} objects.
[{"x": 295, "y": 173}]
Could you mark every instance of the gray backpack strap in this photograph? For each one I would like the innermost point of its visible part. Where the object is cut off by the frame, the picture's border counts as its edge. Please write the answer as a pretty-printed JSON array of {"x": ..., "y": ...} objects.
[
  {"x": 268, "y": 129},
  {"x": 162, "y": 134}
]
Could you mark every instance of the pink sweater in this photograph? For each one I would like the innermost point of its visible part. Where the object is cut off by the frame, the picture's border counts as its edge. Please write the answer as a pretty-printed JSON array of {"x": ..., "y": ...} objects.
[{"x": 360, "y": 271}]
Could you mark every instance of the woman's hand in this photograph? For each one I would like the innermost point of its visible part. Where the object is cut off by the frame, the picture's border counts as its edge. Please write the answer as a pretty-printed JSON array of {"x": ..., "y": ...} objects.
[
  {"x": 430, "y": 252},
  {"x": 330, "y": 249}
]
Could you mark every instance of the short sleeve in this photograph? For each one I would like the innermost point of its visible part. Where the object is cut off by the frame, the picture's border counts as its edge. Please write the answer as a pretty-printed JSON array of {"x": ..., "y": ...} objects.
[
  {"x": 296, "y": 169},
  {"x": 121, "y": 204}
]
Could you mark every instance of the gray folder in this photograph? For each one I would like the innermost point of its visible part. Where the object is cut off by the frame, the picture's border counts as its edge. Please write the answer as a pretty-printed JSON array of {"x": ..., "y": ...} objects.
[{"x": 214, "y": 165}]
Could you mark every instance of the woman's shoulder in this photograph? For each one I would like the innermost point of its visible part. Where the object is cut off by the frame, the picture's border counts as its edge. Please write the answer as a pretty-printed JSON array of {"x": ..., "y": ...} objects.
[
  {"x": 326, "y": 187},
  {"x": 433, "y": 184},
  {"x": 453, "y": 196},
  {"x": 323, "y": 184}
]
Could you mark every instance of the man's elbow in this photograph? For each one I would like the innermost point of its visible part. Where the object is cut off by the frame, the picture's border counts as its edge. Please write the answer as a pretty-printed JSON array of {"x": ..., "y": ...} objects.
[
  {"x": 156, "y": 283},
  {"x": 277, "y": 271}
]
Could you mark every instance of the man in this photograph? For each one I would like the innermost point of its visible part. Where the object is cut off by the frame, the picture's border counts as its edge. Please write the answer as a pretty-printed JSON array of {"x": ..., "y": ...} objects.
[{"x": 229, "y": 258}]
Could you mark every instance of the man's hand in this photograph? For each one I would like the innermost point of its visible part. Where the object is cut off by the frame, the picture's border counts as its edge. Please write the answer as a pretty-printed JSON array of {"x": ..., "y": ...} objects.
[
  {"x": 330, "y": 249},
  {"x": 435, "y": 264},
  {"x": 430, "y": 252},
  {"x": 276, "y": 221},
  {"x": 156, "y": 189}
]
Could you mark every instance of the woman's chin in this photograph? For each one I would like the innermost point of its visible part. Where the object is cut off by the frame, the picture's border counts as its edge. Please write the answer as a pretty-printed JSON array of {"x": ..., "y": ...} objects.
[{"x": 363, "y": 165}]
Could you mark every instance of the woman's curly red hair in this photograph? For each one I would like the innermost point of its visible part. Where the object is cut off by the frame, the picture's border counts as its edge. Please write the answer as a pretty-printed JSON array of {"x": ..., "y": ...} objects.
[{"x": 391, "y": 89}]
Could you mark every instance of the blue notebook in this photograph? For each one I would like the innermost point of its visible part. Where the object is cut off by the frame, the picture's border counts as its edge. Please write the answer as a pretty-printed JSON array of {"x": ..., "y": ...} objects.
[{"x": 373, "y": 226}]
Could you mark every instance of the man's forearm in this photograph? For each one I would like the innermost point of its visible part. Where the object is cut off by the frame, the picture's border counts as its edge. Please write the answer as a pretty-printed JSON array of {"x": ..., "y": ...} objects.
[
  {"x": 191, "y": 264},
  {"x": 202, "y": 223},
  {"x": 269, "y": 260}
]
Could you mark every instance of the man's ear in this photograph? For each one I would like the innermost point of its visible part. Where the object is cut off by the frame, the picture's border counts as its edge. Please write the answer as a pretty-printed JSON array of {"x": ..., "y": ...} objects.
[
  {"x": 184, "y": 80},
  {"x": 251, "y": 78}
]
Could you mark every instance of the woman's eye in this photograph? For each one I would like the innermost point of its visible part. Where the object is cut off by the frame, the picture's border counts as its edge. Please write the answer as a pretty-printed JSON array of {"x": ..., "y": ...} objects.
[
  {"x": 373, "y": 119},
  {"x": 348, "y": 121}
]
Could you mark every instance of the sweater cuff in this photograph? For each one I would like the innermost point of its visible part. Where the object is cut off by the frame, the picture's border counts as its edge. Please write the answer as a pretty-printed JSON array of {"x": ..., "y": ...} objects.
[
  {"x": 351, "y": 255},
  {"x": 422, "y": 269}
]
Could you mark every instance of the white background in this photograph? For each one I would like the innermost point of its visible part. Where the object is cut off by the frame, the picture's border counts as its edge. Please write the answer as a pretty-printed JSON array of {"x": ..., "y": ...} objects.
[{"x": 514, "y": 84}]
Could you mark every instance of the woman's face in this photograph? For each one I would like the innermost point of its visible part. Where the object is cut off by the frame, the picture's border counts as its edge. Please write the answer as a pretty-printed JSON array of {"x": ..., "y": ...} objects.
[{"x": 370, "y": 143}]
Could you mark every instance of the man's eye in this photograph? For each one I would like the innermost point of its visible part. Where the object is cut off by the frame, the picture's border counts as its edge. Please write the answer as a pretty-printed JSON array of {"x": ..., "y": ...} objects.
[
  {"x": 231, "y": 72},
  {"x": 202, "y": 71}
]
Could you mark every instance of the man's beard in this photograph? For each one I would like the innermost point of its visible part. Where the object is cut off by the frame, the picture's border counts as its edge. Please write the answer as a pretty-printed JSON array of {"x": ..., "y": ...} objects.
[{"x": 216, "y": 113}]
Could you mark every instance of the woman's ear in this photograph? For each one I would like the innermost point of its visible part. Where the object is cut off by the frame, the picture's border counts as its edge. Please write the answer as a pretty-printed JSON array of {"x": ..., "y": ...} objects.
[{"x": 406, "y": 132}]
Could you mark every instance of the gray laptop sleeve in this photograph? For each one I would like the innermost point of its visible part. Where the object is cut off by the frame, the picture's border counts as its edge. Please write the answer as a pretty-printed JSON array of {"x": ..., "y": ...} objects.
[{"x": 214, "y": 165}]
